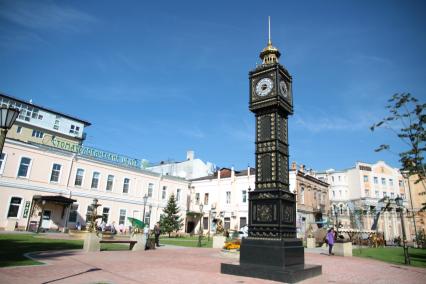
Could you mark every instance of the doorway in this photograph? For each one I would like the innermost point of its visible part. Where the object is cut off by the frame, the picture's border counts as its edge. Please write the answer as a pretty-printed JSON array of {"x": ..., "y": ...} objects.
[{"x": 45, "y": 223}]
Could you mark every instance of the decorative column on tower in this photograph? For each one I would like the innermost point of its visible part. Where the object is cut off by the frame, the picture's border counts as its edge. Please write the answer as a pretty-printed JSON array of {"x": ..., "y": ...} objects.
[{"x": 271, "y": 250}]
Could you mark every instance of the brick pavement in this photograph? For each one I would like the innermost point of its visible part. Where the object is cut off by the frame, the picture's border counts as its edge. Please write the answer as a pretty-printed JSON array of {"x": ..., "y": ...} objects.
[{"x": 191, "y": 265}]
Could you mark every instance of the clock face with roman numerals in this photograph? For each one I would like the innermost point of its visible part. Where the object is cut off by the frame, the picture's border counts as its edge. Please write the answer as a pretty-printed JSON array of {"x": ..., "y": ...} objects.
[{"x": 264, "y": 87}]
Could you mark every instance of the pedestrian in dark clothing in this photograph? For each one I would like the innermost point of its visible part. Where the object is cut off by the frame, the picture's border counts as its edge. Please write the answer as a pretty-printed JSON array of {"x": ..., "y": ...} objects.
[
  {"x": 157, "y": 232},
  {"x": 330, "y": 240}
]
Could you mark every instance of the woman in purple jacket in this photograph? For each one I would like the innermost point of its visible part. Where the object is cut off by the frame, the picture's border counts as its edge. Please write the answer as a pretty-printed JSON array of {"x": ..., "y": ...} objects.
[{"x": 330, "y": 240}]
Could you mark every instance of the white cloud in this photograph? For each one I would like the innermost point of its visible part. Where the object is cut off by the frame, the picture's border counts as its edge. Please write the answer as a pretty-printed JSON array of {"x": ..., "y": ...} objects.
[{"x": 38, "y": 15}]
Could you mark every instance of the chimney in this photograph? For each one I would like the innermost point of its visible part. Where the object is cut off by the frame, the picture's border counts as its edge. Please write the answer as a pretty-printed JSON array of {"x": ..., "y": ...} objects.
[
  {"x": 302, "y": 168},
  {"x": 293, "y": 166},
  {"x": 189, "y": 155}
]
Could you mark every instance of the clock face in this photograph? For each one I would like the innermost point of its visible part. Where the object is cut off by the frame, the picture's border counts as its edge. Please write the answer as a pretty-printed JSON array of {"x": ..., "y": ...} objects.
[
  {"x": 264, "y": 87},
  {"x": 283, "y": 89}
]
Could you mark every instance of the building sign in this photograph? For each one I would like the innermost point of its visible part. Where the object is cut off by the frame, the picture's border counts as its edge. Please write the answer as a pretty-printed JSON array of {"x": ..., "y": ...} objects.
[
  {"x": 99, "y": 154},
  {"x": 26, "y": 209}
]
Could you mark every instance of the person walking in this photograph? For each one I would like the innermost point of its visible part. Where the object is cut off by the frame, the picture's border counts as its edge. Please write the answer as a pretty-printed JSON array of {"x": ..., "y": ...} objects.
[
  {"x": 157, "y": 232},
  {"x": 330, "y": 240}
]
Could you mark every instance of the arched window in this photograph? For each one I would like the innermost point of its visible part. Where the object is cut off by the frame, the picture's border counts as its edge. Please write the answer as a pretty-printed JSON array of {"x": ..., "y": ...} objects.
[{"x": 302, "y": 195}]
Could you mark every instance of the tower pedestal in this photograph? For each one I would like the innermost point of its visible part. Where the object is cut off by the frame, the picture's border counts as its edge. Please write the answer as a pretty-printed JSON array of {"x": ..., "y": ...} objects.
[{"x": 278, "y": 260}]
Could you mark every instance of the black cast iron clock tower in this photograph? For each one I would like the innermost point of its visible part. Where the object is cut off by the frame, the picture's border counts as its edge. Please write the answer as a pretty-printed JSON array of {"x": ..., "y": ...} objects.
[{"x": 271, "y": 250}]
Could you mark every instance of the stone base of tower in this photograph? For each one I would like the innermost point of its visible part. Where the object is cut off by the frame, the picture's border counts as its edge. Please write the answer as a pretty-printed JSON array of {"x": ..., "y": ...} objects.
[{"x": 278, "y": 260}]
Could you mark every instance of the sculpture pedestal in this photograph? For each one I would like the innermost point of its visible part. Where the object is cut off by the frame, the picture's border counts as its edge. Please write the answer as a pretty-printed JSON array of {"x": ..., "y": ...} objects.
[
  {"x": 277, "y": 260},
  {"x": 141, "y": 241},
  {"x": 311, "y": 243},
  {"x": 342, "y": 248},
  {"x": 219, "y": 241},
  {"x": 91, "y": 243}
]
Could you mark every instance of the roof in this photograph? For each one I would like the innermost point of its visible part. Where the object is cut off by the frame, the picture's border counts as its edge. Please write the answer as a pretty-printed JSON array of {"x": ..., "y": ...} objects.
[
  {"x": 226, "y": 173},
  {"x": 85, "y": 122},
  {"x": 55, "y": 198}
]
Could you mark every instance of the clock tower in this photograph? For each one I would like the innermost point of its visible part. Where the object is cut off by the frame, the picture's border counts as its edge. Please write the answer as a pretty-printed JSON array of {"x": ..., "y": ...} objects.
[{"x": 271, "y": 250}]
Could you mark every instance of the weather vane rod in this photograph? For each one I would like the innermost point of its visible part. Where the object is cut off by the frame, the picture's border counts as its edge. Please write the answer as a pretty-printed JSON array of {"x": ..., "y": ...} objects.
[{"x": 269, "y": 30}]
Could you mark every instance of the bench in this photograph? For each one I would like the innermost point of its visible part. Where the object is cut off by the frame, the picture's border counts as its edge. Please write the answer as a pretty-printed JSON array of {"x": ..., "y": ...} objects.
[{"x": 132, "y": 243}]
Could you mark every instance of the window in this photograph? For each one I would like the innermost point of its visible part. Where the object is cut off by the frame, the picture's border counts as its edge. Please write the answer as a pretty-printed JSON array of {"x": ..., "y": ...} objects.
[
  {"x": 302, "y": 195},
  {"x": 73, "y": 213},
  {"x": 206, "y": 198},
  {"x": 365, "y": 178},
  {"x": 367, "y": 192},
  {"x": 341, "y": 209},
  {"x": 197, "y": 198},
  {"x": 19, "y": 129},
  {"x": 244, "y": 196},
  {"x": 15, "y": 204},
  {"x": 178, "y": 195},
  {"x": 391, "y": 182},
  {"x": 79, "y": 177},
  {"x": 338, "y": 178},
  {"x": 402, "y": 195},
  {"x": 24, "y": 167},
  {"x": 56, "y": 170},
  {"x": 392, "y": 195},
  {"x": 243, "y": 221},
  {"x": 122, "y": 218},
  {"x": 126, "y": 184},
  {"x": 332, "y": 179},
  {"x": 37, "y": 134},
  {"x": 384, "y": 193},
  {"x": 56, "y": 125},
  {"x": 227, "y": 223},
  {"x": 150, "y": 189},
  {"x": 377, "y": 194},
  {"x": 383, "y": 181},
  {"x": 228, "y": 197},
  {"x": 110, "y": 183},
  {"x": 148, "y": 217},
  {"x": 2, "y": 162},
  {"x": 105, "y": 215},
  {"x": 95, "y": 180},
  {"x": 205, "y": 223},
  {"x": 376, "y": 180},
  {"x": 74, "y": 129},
  {"x": 164, "y": 192},
  {"x": 400, "y": 183},
  {"x": 340, "y": 193}
]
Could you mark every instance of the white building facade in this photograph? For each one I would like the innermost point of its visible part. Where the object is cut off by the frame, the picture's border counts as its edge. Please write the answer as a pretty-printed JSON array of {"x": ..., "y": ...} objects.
[{"x": 354, "y": 196}]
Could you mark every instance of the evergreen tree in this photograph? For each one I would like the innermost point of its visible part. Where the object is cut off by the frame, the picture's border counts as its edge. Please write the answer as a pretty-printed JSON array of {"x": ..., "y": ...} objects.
[{"x": 170, "y": 220}]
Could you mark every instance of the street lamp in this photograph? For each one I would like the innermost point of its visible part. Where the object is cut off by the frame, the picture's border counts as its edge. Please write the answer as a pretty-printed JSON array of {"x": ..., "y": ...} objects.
[
  {"x": 7, "y": 119},
  {"x": 145, "y": 199},
  {"x": 201, "y": 230},
  {"x": 400, "y": 203}
]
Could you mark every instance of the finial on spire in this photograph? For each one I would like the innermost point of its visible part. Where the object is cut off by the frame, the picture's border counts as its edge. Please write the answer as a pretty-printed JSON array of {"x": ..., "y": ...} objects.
[
  {"x": 270, "y": 53},
  {"x": 269, "y": 30}
]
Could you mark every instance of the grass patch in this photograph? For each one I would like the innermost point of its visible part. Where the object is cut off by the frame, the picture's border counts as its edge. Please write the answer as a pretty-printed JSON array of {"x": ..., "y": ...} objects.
[
  {"x": 14, "y": 246},
  {"x": 187, "y": 241},
  {"x": 393, "y": 255}
]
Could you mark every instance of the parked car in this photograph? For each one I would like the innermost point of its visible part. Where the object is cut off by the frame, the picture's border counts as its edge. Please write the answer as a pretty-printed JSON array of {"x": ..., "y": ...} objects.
[{"x": 243, "y": 232}]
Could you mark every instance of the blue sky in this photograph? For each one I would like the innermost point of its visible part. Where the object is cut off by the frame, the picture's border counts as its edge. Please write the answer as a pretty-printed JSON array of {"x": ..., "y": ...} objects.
[{"x": 157, "y": 79}]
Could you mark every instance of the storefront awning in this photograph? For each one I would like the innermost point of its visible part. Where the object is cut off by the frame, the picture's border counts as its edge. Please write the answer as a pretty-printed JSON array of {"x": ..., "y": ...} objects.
[{"x": 54, "y": 198}]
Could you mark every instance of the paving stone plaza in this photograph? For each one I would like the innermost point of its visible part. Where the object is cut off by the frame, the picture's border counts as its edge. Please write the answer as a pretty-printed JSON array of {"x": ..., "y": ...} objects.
[{"x": 170, "y": 264}]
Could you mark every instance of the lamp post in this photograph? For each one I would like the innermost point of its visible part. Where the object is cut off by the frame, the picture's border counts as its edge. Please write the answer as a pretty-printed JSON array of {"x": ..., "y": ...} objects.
[
  {"x": 400, "y": 203},
  {"x": 201, "y": 229},
  {"x": 8, "y": 117},
  {"x": 145, "y": 199}
]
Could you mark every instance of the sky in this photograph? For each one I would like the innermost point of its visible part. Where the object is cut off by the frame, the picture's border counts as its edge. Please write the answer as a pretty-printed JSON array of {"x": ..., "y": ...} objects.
[{"x": 158, "y": 78}]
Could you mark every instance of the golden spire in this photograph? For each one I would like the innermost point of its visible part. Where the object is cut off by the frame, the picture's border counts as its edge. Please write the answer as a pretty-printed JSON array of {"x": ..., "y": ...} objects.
[{"x": 270, "y": 53}]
